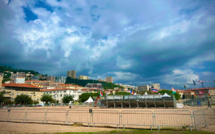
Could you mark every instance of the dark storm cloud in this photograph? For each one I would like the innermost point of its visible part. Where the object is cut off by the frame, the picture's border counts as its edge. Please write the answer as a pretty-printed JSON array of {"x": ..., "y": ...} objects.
[{"x": 137, "y": 43}]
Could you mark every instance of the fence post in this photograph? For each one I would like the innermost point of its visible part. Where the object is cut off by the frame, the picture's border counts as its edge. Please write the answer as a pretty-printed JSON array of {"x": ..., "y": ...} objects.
[
  {"x": 206, "y": 125},
  {"x": 8, "y": 117},
  {"x": 195, "y": 120},
  {"x": 66, "y": 121},
  {"x": 120, "y": 118},
  {"x": 153, "y": 119},
  {"x": 45, "y": 116},
  {"x": 26, "y": 112}
]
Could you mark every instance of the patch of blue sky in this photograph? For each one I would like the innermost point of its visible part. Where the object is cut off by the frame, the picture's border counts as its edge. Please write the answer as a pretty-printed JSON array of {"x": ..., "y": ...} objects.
[
  {"x": 29, "y": 15},
  {"x": 43, "y": 4}
]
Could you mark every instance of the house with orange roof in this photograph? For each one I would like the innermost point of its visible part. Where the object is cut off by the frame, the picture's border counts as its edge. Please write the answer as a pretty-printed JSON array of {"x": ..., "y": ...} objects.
[{"x": 14, "y": 89}]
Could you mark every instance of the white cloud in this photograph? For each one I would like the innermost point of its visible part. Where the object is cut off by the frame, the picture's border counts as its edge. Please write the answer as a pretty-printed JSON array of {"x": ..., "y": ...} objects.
[
  {"x": 180, "y": 77},
  {"x": 124, "y": 76}
]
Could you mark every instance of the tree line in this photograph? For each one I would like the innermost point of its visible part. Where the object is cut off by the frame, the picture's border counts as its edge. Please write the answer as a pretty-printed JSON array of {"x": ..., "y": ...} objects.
[{"x": 83, "y": 83}]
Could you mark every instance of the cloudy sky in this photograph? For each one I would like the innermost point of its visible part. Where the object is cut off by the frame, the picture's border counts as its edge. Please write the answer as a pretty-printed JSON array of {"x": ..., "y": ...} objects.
[{"x": 137, "y": 42}]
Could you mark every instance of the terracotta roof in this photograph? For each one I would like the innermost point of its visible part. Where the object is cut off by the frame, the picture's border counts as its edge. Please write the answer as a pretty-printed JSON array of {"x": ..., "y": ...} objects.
[
  {"x": 68, "y": 85},
  {"x": 45, "y": 90},
  {"x": 200, "y": 88},
  {"x": 19, "y": 85}
]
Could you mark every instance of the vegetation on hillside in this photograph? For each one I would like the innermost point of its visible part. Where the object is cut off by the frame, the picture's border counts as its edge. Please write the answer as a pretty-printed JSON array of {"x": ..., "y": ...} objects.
[
  {"x": 83, "y": 83},
  {"x": 5, "y": 68}
]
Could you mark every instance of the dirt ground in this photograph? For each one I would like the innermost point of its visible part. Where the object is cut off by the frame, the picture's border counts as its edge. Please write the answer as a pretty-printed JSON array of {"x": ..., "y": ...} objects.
[
  {"x": 14, "y": 128},
  {"x": 20, "y": 128}
]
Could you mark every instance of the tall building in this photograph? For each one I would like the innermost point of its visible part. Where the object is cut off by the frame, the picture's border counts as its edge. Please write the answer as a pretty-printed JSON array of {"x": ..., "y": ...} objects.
[
  {"x": 143, "y": 88},
  {"x": 51, "y": 78},
  {"x": 109, "y": 79},
  {"x": 60, "y": 79},
  {"x": 155, "y": 86},
  {"x": 82, "y": 77},
  {"x": 71, "y": 74},
  {"x": 1, "y": 78}
]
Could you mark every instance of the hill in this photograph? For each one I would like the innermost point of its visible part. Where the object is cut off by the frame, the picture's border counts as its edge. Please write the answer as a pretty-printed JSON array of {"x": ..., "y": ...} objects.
[
  {"x": 5, "y": 68},
  {"x": 8, "y": 74},
  {"x": 106, "y": 85}
]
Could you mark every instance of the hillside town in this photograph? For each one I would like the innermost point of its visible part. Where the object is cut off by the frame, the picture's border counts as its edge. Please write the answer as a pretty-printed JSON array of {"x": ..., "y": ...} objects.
[{"x": 36, "y": 85}]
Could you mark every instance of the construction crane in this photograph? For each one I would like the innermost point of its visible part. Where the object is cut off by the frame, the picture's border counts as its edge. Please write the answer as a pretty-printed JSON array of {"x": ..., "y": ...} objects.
[{"x": 204, "y": 82}]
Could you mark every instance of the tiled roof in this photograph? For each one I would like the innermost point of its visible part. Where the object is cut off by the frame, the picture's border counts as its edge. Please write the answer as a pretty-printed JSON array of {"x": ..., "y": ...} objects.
[
  {"x": 45, "y": 90},
  {"x": 66, "y": 85},
  {"x": 200, "y": 88},
  {"x": 19, "y": 85}
]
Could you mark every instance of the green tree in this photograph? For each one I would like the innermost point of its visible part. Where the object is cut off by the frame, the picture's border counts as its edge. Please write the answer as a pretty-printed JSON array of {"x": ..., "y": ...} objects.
[
  {"x": 67, "y": 99},
  {"x": 169, "y": 92},
  {"x": 83, "y": 97},
  {"x": 122, "y": 93},
  {"x": 23, "y": 99},
  {"x": 46, "y": 98},
  {"x": 2, "y": 97},
  {"x": 35, "y": 102}
]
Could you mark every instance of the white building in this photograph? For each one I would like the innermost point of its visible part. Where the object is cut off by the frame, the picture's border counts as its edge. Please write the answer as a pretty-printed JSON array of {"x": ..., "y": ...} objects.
[
  {"x": 155, "y": 86},
  {"x": 20, "y": 80},
  {"x": 58, "y": 94}
]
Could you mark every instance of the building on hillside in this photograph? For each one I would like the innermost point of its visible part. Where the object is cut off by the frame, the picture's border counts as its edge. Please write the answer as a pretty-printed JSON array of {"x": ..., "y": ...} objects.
[
  {"x": 101, "y": 80},
  {"x": 94, "y": 85},
  {"x": 34, "y": 77},
  {"x": 50, "y": 78},
  {"x": 203, "y": 92},
  {"x": 20, "y": 80},
  {"x": 42, "y": 77},
  {"x": 155, "y": 86},
  {"x": 71, "y": 74},
  {"x": 43, "y": 84},
  {"x": 13, "y": 89},
  {"x": 143, "y": 88},
  {"x": 61, "y": 79},
  {"x": 82, "y": 77},
  {"x": 16, "y": 75},
  {"x": 69, "y": 86},
  {"x": 1, "y": 79},
  {"x": 58, "y": 94},
  {"x": 109, "y": 79}
]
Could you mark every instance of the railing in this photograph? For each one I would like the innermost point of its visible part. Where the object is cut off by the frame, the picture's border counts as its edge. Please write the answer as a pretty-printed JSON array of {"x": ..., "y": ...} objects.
[{"x": 134, "y": 118}]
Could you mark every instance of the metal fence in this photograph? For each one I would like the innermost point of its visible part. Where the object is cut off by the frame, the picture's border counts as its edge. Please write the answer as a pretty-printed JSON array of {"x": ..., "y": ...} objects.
[
  {"x": 135, "y": 118},
  {"x": 173, "y": 118}
]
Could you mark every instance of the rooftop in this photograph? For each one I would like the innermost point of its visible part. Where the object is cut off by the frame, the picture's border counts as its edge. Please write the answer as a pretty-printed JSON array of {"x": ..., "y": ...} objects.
[{"x": 20, "y": 85}]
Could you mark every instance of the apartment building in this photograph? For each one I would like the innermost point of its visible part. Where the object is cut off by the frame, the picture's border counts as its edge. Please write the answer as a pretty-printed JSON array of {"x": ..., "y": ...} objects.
[
  {"x": 71, "y": 74},
  {"x": 155, "y": 86},
  {"x": 109, "y": 79},
  {"x": 43, "y": 84},
  {"x": 82, "y": 77},
  {"x": 16, "y": 75},
  {"x": 61, "y": 79},
  {"x": 14, "y": 89},
  {"x": 143, "y": 88},
  {"x": 50, "y": 78},
  {"x": 58, "y": 94}
]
